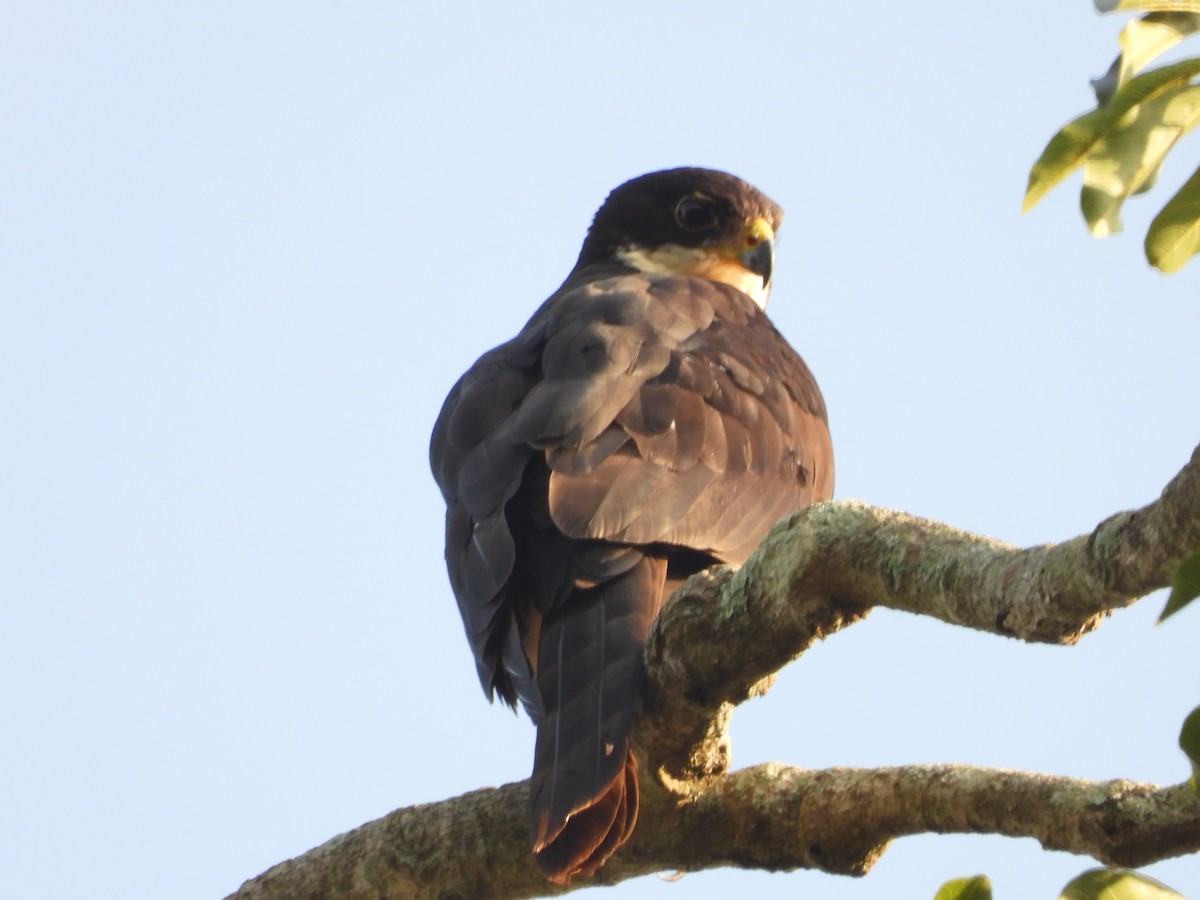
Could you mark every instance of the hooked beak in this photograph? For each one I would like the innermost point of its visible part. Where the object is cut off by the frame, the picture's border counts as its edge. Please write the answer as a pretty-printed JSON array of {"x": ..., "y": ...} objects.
[{"x": 759, "y": 255}]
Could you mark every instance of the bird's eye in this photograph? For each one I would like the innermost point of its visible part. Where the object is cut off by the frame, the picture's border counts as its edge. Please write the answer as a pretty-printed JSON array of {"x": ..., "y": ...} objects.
[{"x": 695, "y": 214}]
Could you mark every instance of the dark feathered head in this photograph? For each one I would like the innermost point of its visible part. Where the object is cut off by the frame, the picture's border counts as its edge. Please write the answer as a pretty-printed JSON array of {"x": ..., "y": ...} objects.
[{"x": 696, "y": 222}]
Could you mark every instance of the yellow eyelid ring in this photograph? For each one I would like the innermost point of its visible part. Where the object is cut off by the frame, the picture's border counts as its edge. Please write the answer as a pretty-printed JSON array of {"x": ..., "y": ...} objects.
[{"x": 759, "y": 232}]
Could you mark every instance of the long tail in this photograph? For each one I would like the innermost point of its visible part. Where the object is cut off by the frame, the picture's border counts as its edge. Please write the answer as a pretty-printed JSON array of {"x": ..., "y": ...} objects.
[{"x": 584, "y": 791}]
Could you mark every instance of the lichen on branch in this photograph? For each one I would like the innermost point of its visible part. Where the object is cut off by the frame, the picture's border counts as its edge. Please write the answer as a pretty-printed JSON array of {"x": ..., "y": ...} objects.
[{"x": 721, "y": 638}]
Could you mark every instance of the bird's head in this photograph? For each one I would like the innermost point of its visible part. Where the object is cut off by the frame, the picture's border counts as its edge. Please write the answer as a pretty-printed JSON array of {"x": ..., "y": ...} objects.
[{"x": 696, "y": 222}]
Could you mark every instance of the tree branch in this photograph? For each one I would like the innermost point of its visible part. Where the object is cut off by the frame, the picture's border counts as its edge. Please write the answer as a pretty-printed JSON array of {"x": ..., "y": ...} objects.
[
  {"x": 720, "y": 639},
  {"x": 770, "y": 817},
  {"x": 840, "y": 821},
  {"x": 724, "y": 634}
]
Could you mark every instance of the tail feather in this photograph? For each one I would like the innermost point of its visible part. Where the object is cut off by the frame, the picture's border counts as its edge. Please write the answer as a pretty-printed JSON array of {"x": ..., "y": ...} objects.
[
  {"x": 584, "y": 795},
  {"x": 593, "y": 834}
]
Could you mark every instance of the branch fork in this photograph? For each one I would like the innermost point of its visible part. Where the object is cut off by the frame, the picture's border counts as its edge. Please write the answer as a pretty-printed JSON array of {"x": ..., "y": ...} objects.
[{"x": 721, "y": 638}]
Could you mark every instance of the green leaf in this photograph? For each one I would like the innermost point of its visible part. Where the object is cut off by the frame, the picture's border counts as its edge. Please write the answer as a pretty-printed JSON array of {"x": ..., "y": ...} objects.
[
  {"x": 1106, "y": 85},
  {"x": 1185, "y": 583},
  {"x": 1129, "y": 156},
  {"x": 1065, "y": 151},
  {"x": 1189, "y": 743},
  {"x": 1145, "y": 38},
  {"x": 1141, "y": 40},
  {"x": 1068, "y": 149},
  {"x": 1116, "y": 884},
  {"x": 1172, "y": 239},
  {"x": 977, "y": 887},
  {"x": 1106, "y": 6}
]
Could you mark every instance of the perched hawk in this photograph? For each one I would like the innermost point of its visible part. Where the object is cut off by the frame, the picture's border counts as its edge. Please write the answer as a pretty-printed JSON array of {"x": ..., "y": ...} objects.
[{"x": 647, "y": 422}]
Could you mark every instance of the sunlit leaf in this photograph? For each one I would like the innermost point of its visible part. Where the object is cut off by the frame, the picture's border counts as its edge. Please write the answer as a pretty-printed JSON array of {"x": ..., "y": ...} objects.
[
  {"x": 1116, "y": 884},
  {"x": 1189, "y": 743},
  {"x": 1185, "y": 583},
  {"x": 1141, "y": 40},
  {"x": 1068, "y": 149},
  {"x": 1172, "y": 239},
  {"x": 1065, "y": 151},
  {"x": 977, "y": 887},
  {"x": 1130, "y": 154},
  {"x": 1106, "y": 6},
  {"x": 1145, "y": 38}
]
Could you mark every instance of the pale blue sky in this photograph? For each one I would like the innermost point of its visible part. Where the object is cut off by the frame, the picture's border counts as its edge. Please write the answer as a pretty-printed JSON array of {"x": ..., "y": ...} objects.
[{"x": 245, "y": 250}]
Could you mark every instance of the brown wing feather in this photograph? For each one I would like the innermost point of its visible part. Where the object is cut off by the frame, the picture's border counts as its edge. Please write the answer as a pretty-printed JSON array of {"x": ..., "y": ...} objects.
[
  {"x": 637, "y": 424},
  {"x": 734, "y": 400}
]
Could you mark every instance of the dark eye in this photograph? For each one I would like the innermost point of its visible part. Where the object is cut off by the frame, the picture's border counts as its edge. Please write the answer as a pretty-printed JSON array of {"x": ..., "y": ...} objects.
[{"x": 694, "y": 214}]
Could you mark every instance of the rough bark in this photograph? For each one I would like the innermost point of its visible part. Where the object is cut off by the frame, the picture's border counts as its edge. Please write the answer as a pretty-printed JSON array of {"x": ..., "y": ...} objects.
[
  {"x": 767, "y": 817},
  {"x": 719, "y": 641}
]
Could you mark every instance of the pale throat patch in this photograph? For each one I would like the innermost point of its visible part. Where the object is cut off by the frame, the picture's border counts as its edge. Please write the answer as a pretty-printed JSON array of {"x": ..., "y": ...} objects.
[{"x": 675, "y": 260}]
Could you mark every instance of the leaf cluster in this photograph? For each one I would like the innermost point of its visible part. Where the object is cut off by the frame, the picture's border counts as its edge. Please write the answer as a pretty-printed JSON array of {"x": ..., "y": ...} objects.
[
  {"x": 1140, "y": 115},
  {"x": 1095, "y": 884}
]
